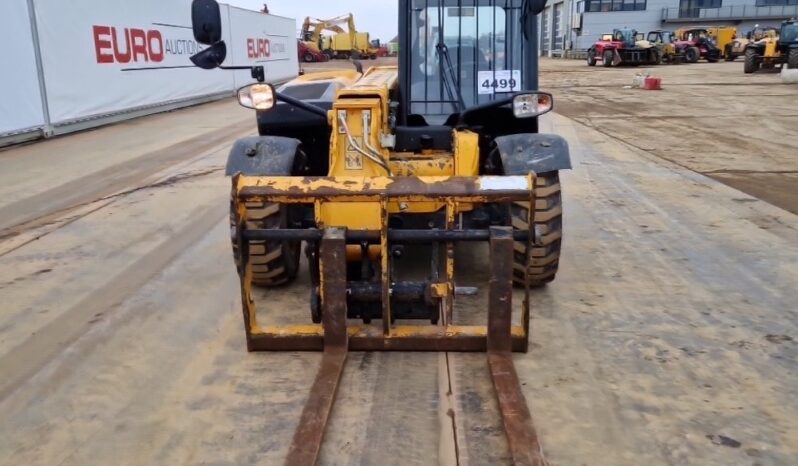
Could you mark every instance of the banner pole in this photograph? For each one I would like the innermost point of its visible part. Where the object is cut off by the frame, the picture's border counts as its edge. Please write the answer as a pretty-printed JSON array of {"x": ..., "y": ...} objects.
[{"x": 47, "y": 129}]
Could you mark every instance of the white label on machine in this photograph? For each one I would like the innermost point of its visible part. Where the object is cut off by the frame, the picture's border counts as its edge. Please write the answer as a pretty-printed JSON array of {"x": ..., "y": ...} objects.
[
  {"x": 503, "y": 183},
  {"x": 499, "y": 81}
]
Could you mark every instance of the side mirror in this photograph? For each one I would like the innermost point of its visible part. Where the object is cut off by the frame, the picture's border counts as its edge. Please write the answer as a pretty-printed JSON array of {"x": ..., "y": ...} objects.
[
  {"x": 206, "y": 20},
  {"x": 534, "y": 7},
  {"x": 210, "y": 58},
  {"x": 260, "y": 97}
]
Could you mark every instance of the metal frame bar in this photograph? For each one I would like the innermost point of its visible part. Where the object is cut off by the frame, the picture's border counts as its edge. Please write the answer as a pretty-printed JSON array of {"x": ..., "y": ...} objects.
[
  {"x": 415, "y": 338},
  {"x": 309, "y": 190},
  {"x": 401, "y": 236}
]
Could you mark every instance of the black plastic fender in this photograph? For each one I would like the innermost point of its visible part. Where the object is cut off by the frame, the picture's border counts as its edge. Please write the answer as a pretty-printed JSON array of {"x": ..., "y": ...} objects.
[
  {"x": 263, "y": 156},
  {"x": 533, "y": 152}
]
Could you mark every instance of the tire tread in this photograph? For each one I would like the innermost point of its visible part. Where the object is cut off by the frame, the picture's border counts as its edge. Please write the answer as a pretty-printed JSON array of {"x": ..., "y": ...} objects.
[{"x": 542, "y": 262}]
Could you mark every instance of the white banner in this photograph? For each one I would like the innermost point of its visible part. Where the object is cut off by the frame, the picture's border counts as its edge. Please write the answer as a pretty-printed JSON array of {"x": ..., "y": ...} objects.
[
  {"x": 20, "y": 98},
  {"x": 103, "y": 57},
  {"x": 262, "y": 40}
]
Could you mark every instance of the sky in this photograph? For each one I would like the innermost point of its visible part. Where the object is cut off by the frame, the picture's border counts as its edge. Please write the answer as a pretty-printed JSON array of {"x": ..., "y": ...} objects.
[{"x": 377, "y": 17}]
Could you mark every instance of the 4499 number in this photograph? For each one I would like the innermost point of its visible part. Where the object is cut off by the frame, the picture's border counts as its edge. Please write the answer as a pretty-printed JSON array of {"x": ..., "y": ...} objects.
[
  {"x": 499, "y": 81},
  {"x": 499, "y": 85}
]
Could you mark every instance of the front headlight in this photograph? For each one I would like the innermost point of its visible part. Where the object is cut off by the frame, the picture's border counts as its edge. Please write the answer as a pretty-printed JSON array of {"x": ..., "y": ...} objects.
[
  {"x": 257, "y": 96},
  {"x": 532, "y": 105}
]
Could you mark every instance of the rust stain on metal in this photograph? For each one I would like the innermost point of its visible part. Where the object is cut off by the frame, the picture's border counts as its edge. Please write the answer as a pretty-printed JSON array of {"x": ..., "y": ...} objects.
[{"x": 410, "y": 188}]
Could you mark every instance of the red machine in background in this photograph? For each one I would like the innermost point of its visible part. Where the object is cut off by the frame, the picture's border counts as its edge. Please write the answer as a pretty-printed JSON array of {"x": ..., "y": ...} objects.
[
  {"x": 699, "y": 44},
  {"x": 381, "y": 49},
  {"x": 310, "y": 55},
  {"x": 621, "y": 48}
]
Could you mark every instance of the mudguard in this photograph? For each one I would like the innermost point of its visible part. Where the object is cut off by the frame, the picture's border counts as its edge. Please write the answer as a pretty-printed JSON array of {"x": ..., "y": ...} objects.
[
  {"x": 532, "y": 152},
  {"x": 262, "y": 156}
]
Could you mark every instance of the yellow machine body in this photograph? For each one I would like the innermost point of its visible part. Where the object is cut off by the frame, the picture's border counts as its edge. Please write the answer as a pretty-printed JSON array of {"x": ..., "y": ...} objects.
[
  {"x": 361, "y": 109},
  {"x": 772, "y": 53},
  {"x": 739, "y": 44},
  {"x": 723, "y": 35}
]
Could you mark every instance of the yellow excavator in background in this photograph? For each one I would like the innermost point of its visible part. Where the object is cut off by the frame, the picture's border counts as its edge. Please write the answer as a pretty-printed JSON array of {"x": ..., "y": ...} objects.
[
  {"x": 343, "y": 44},
  {"x": 312, "y": 30}
]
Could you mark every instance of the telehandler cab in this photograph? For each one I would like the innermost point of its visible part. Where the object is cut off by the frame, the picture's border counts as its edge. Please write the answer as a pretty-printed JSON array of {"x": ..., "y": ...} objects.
[
  {"x": 668, "y": 48},
  {"x": 359, "y": 166},
  {"x": 739, "y": 44}
]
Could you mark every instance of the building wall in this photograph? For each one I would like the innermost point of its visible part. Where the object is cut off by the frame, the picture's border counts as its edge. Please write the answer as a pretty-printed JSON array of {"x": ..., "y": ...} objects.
[
  {"x": 597, "y": 23},
  {"x": 594, "y": 24}
]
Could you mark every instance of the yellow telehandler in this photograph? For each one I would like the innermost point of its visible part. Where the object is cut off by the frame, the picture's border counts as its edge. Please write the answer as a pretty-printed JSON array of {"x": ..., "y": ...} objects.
[
  {"x": 774, "y": 49},
  {"x": 360, "y": 167}
]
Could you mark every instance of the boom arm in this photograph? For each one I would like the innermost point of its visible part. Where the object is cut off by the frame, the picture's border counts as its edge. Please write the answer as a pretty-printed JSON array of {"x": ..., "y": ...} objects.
[{"x": 334, "y": 25}]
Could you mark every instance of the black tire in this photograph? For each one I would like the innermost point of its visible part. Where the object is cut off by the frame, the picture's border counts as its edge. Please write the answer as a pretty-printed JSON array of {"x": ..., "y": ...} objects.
[
  {"x": 309, "y": 58},
  {"x": 655, "y": 58},
  {"x": 274, "y": 263},
  {"x": 692, "y": 54},
  {"x": 728, "y": 55},
  {"x": 792, "y": 59},
  {"x": 607, "y": 58},
  {"x": 751, "y": 64},
  {"x": 591, "y": 57},
  {"x": 543, "y": 262}
]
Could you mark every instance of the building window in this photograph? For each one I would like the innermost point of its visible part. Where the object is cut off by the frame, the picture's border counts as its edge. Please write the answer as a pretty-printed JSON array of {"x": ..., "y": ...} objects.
[
  {"x": 615, "y": 5},
  {"x": 776, "y": 2},
  {"x": 692, "y": 8}
]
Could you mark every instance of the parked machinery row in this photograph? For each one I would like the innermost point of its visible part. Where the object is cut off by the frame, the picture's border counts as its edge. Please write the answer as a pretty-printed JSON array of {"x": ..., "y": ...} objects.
[
  {"x": 762, "y": 47},
  {"x": 629, "y": 47}
]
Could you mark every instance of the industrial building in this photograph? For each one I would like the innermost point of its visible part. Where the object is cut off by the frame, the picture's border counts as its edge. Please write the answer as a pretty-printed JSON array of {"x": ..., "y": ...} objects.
[{"x": 573, "y": 25}]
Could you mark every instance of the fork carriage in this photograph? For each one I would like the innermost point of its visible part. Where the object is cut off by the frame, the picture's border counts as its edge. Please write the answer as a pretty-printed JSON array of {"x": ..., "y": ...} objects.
[
  {"x": 438, "y": 291},
  {"x": 498, "y": 337}
]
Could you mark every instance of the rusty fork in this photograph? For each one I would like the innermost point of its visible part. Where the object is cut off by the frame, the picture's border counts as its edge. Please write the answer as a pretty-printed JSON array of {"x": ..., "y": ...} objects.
[
  {"x": 518, "y": 426},
  {"x": 522, "y": 438},
  {"x": 305, "y": 446}
]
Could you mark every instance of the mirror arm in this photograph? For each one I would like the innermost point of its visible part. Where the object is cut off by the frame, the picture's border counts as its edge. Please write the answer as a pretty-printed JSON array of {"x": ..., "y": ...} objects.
[
  {"x": 301, "y": 104},
  {"x": 492, "y": 104},
  {"x": 258, "y": 73}
]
